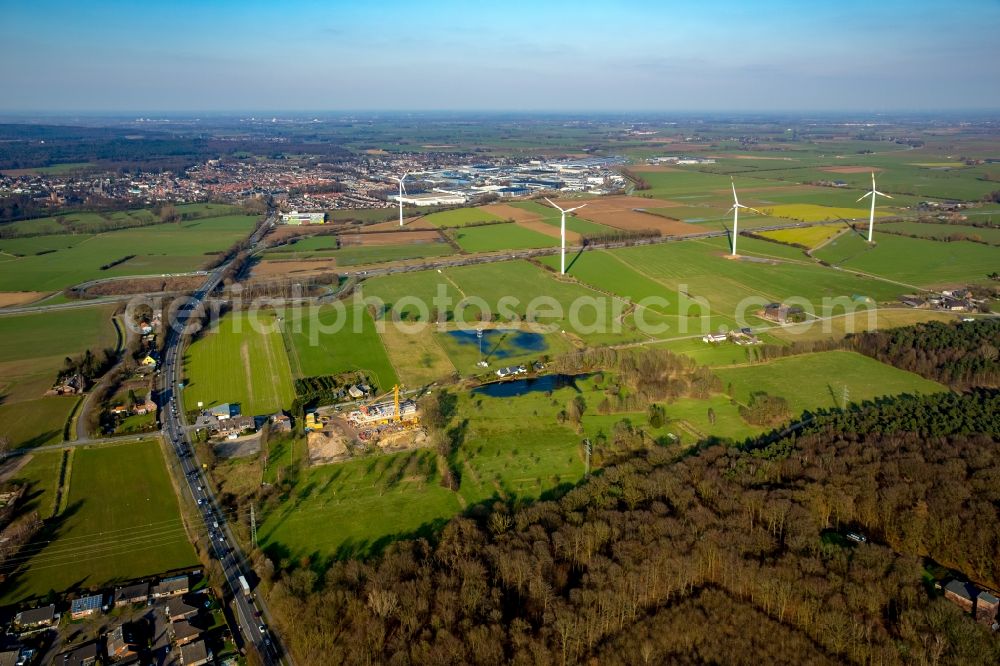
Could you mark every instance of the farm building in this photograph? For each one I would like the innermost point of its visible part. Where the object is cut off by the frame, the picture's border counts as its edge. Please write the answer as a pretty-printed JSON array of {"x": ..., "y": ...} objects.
[
  {"x": 512, "y": 371},
  {"x": 224, "y": 411},
  {"x": 297, "y": 218},
  {"x": 980, "y": 603},
  {"x": 36, "y": 617},
  {"x": 132, "y": 594},
  {"x": 85, "y": 606}
]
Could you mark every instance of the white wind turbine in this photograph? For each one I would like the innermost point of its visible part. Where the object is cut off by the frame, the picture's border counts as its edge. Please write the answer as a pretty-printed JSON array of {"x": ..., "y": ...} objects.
[
  {"x": 402, "y": 191},
  {"x": 874, "y": 193},
  {"x": 736, "y": 214},
  {"x": 562, "y": 233}
]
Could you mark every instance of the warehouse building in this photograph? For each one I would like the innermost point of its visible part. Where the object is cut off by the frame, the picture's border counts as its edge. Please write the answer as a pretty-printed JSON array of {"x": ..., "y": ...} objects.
[{"x": 297, "y": 218}]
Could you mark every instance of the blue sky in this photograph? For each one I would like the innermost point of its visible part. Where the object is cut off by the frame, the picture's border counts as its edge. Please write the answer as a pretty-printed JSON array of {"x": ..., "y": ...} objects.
[{"x": 216, "y": 55}]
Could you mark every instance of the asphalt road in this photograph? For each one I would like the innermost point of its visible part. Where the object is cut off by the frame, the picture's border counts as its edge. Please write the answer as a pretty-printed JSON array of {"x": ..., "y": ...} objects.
[{"x": 248, "y": 609}]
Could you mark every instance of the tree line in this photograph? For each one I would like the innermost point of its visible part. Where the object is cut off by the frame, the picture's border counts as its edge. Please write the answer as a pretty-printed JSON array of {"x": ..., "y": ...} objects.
[{"x": 690, "y": 557}]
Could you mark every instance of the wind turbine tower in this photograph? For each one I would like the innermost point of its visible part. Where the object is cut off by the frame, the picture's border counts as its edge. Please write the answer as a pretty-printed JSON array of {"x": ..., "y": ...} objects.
[
  {"x": 736, "y": 214},
  {"x": 402, "y": 191},
  {"x": 874, "y": 193},
  {"x": 562, "y": 234}
]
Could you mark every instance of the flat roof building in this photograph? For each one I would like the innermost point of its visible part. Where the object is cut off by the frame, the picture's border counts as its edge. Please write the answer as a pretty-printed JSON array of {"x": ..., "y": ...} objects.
[{"x": 297, "y": 218}]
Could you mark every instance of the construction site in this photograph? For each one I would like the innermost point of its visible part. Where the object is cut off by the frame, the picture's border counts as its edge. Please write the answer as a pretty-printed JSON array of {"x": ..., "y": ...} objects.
[{"x": 380, "y": 424}]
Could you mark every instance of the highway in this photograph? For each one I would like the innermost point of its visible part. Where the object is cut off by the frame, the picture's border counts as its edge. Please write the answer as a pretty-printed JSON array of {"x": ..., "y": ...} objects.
[{"x": 249, "y": 610}]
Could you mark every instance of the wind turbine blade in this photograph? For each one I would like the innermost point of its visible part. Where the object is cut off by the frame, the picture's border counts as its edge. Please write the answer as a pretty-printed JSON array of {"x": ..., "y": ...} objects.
[
  {"x": 733, "y": 183},
  {"x": 554, "y": 205},
  {"x": 754, "y": 210},
  {"x": 882, "y": 194},
  {"x": 570, "y": 210},
  {"x": 865, "y": 195}
]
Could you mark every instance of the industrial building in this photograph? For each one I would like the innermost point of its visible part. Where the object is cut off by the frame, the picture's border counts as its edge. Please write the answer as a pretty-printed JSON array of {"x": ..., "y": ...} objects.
[
  {"x": 431, "y": 199},
  {"x": 297, "y": 218}
]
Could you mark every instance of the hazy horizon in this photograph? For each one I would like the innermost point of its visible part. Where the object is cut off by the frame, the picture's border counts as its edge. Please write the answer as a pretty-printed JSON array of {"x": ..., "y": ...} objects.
[{"x": 635, "y": 57}]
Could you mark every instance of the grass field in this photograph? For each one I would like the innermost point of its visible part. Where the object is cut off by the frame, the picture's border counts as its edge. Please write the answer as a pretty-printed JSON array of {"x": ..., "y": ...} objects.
[
  {"x": 32, "y": 349},
  {"x": 332, "y": 340},
  {"x": 685, "y": 272},
  {"x": 358, "y": 254},
  {"x": 814, "y": 213},
  {"x": 915, "y": 261},
  {"x": 460, "y": 217},
  {"x": 161, "y": 248},
  {"x": 809, "y": 237},
  {"x": 500, "y": 237},
  {"x": 361, "y": 505},
  {"x": 238, "y": 361},
  {"x": 817, "y": 380},
  {"x": 941, "y": 231},
  {"x": 121, "y": 521},
  {"x": 85, "y": 222}
]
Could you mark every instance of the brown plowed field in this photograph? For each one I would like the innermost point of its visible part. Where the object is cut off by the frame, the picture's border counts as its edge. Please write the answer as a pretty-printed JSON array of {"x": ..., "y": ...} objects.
[
  {"x": 620, "y": 212},
  {"x": 393, "y": 225},
  {"x": 508, "y": 212}
]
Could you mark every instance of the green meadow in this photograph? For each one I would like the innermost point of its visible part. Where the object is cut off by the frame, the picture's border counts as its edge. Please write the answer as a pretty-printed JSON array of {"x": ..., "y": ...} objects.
[
  {"x": 32, "y": 349},
  {"x": 149, "y": 250},
  {"x": 120, "y": 521},
  {"x": 240, "y": 360},
  {"x": 500, "y": 237},
  {"x": 334, "y": 339},
  {"x": 460, "y": 217},
  {"x": 810, "y": 381},
  {"x": 914, "y": 261}
]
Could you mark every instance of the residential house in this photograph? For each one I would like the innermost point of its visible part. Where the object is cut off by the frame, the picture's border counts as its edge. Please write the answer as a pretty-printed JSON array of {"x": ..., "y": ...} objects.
[
  {"x": 36, "y": 617},
  {"x": 132, "y": 594},
  {"x": 195, "y": 654},
  {"x": 281, "y": 423},
  {"x": 237, "y": 425},
  {"x": 85, "y": 606},
  {"x": 81, "y": 656},
  {"x": 121, "y": 642},
  {"x": 986, "y": 608},
  {"x": 181, "y": 609},
  {"x": 147, "y": 406},
  {"x": 171, "y": 587},
  {"x": 714, "y": 337},
  {"x": 119, "y": 410},
  {"x": 10, "y": 657},
  {"x": 183, "y": 632}
]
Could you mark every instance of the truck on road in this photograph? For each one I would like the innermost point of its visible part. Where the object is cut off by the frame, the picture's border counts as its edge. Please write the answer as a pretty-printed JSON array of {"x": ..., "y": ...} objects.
[{"x": 244, "y": 585}]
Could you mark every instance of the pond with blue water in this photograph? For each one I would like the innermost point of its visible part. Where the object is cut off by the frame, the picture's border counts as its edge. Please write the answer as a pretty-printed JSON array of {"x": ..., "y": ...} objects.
[
  {"x": 516, "y": 387},
  {"x": 499, "y": 343}
]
